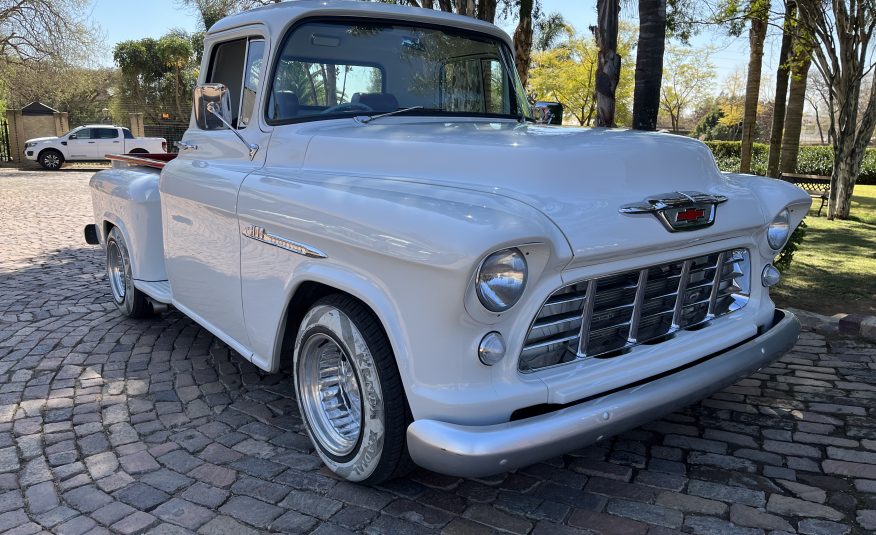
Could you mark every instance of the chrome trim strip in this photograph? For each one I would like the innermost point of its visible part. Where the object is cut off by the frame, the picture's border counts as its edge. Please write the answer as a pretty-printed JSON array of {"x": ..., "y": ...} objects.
[
  {"x": 683, "y": 281},
  {"x": 586, "y": 316},
  {"x": 716, "y": 285},
  {"x": 260, "y": 234},
  {"x": 637, "y": 306}
]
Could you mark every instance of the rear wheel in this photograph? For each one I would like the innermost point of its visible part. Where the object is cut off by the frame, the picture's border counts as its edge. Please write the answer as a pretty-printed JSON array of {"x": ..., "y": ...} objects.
[
  {"x": 350, "y": 393},
  {"x": 51, "y": 160},
  {"x": 131, "y": 301},
  {"x": 139, "y": 151}
]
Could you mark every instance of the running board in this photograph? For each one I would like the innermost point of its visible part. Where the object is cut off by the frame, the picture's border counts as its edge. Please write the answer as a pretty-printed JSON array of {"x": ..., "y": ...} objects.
[{"x": 156, "y": 290}]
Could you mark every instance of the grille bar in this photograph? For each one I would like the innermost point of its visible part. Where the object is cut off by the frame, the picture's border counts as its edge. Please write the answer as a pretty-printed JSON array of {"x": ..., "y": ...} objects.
[{"x": 607, "y": 316}]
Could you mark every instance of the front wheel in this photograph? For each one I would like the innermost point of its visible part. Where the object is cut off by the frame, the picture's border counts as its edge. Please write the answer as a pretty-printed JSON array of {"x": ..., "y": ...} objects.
[
  {"x": 131, "y": 301},
  {"x": 51, "y": 160},
  {"x": 350, "y": 393}
]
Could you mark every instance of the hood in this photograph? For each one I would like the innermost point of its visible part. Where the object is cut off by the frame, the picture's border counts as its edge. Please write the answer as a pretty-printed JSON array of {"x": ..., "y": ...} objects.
[
  {"x": 40, "y": 139},
  {"x": 577, "y": 177}
]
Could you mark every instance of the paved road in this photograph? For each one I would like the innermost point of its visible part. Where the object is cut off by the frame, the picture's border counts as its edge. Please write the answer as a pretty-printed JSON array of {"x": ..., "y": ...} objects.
[{"x": 154, "y": 426}]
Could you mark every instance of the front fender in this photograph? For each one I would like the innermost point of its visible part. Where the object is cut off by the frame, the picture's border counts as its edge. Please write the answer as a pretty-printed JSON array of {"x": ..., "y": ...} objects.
[{"x": 410, "y": 252}]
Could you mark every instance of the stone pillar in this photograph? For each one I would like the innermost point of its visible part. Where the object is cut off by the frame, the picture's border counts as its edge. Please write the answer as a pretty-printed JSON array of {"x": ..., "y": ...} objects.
[
  {"x": 62, "y": 122},
  {"x": 16, "y": 135},
  {"x": 137, "y": 125}
]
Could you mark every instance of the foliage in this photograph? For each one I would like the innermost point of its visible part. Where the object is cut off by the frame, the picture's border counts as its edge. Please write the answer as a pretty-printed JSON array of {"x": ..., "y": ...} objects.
[
  {"x": 812, "y": 160},
  {"x": 34, "y": 31},
  {"x": 687, "y": 76},
  {"x": 716, "y": 125},
  {"x": 783, "y": 261},
  {"x": 82, "y": 92},
  {"x": 566, "y": 74},
  {"x": 156, "y": 75},
  {"x": 213, "y": 10}
]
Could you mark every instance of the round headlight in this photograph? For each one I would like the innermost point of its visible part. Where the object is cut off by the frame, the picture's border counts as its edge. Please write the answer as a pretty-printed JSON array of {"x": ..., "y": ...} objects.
[
  {"x": 779, "y": 230},
  {"x": 501, "y": 280}
]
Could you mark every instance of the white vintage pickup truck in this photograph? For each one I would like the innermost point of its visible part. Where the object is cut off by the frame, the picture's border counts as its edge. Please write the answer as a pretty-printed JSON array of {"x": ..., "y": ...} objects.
[
  {"x": 91, "y": 142},
  {"x": 361, "y": 193}
]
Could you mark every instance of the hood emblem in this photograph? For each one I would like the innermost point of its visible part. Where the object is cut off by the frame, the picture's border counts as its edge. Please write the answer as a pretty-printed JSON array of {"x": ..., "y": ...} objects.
[{"x": 679, "y": 210}]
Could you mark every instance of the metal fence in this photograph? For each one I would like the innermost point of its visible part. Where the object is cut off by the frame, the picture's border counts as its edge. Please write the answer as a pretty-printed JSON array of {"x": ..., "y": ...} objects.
[
  {"x": 5, "y": 146},
  {"x": 172, "y": 131}
]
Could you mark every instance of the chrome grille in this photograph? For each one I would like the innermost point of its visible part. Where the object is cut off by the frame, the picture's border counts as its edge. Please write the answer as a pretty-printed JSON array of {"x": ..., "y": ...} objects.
[{"x": 606, "y": 316}]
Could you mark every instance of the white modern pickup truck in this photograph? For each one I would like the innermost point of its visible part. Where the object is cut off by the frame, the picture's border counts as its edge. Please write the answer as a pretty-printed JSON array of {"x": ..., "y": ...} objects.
[
  {"x": 91, "y": 142},
  {"x": 361, "y": 193}
]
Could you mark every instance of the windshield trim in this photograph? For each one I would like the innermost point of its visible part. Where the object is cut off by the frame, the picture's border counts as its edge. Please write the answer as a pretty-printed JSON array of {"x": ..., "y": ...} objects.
[{"x": 275, "y": 62}]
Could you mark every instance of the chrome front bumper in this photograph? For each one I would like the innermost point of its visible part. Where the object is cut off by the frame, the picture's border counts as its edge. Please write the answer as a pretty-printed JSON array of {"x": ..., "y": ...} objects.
[{"x": 472, "y": 451}]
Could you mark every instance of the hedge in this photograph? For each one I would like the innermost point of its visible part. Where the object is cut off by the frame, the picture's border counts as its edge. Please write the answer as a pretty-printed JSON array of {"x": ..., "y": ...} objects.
[{"x": 812, "y": 160}]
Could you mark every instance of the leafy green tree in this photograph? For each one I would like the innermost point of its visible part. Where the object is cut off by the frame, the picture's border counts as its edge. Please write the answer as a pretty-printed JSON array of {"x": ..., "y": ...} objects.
[
  {"x": 155, "y": 73},
  {"x": 81, "y": 91},
  {"x": 687, "y": 77},
  {"x": 567, "y": 74},
  {"x": 33, "y": 31}
]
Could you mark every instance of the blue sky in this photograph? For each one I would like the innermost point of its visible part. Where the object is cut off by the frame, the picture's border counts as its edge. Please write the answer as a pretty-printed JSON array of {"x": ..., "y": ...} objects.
[
  {"x": 129, "y": 19},
  {"x": 121, "y": 20}
]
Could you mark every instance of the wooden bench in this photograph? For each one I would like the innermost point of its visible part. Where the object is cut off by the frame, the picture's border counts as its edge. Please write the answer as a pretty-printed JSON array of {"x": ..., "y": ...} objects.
[{"x": 817, "y": 186}]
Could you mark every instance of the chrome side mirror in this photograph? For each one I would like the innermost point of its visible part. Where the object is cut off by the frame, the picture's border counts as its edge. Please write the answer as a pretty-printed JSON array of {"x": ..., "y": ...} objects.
[{"x": 212, "y": 103}]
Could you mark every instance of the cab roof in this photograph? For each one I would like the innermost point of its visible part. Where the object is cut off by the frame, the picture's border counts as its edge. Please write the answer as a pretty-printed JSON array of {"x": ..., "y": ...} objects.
[{"x": 278, "y": 17}]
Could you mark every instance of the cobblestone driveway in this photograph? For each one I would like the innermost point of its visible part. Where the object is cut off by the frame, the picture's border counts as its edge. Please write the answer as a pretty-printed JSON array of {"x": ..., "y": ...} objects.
[{"x": 108, "y": 424}]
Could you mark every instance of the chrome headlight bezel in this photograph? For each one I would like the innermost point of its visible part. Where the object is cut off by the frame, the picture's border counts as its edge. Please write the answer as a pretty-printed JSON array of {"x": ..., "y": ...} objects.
[
  {"x": 501, "y": 279},
  {"x": 779, "y": 230}
]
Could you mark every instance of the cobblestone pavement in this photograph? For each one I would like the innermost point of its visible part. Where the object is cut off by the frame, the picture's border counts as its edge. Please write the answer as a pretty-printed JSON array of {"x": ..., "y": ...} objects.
[{"x": 108, "y": 424}]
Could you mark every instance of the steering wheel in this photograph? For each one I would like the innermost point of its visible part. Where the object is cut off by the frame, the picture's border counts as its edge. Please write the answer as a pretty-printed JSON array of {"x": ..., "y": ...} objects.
[{"x": 348, "y": 106}]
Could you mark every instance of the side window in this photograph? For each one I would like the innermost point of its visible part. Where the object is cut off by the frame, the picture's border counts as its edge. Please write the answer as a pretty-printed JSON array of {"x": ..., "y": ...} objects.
[
  {"x": 127, "y": 133},
  {"x": 84, "y": 133},
  {"x": 474, "y": 85},
  {"x": 251, "y": 78},
  {"x": 226, "y": 67},
  {"x": 106, "y": 133}
]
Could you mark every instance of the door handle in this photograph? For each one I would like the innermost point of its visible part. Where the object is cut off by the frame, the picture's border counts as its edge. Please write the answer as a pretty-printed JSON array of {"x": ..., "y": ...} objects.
[
  {"x": 92, "y": 142},
  {"x": 182, "y": 145},
  {"x": 115, "y": 141}
]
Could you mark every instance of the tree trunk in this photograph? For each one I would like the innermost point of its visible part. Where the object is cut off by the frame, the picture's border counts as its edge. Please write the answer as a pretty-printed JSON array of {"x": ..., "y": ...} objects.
[
  {"x": 649, "y": 65},
  {"x": 609, "y": 62},
  {"x": 486, "y": 10},
  {"x": 756, "y": 37},
  {"x": 794, "y": 118},
  {"x": 818, "y": 123},
  {"x": 523, "y": 40},
  {"x": 445, "y": 5},
  {"x": 428, "y": 4},
  {"x": 849, "y": 147},
  {"x": 782, "y": 76}
]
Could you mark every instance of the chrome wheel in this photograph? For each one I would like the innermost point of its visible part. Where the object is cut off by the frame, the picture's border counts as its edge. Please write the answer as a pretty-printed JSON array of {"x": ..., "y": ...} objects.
[
  {"x": 115, "y": 267},
  {"x": 332, "y": 398},
  {"x": 52, "y": 161}
]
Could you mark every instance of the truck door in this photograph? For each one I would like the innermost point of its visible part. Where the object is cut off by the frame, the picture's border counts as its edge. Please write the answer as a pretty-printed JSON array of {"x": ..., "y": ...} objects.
[
  {"x": 108, "y": 141},
  {"x": 199, "y": 192},
  {"x": 81, "y": 145}
]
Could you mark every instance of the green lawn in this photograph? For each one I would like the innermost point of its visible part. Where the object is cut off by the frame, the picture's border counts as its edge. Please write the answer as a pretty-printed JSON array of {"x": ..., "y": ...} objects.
[{"x": 834, "y": 270}]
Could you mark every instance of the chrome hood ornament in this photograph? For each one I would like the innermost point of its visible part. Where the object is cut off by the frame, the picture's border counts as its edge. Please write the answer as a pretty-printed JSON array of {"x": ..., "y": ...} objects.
[{"x": 679, "y": 210}]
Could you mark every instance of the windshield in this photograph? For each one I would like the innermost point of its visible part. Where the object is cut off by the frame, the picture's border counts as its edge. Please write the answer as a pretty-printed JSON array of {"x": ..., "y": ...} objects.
[{"x": 332, "y": 69}]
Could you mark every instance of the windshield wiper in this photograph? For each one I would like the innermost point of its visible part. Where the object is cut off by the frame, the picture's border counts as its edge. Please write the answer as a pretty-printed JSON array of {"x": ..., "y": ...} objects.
[{"x": 370, "y": 118}]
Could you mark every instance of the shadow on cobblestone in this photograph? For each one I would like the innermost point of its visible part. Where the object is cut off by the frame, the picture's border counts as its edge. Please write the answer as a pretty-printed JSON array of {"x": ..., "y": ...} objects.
[{"x": 109, "y": 424}]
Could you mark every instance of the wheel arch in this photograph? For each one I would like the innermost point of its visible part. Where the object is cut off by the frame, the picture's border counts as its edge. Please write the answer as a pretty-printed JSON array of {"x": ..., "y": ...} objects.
[
  {"x": 52, "y": 149},
  {"x": 311, "y": 289},
  {"x": 107, "y": 225}
]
